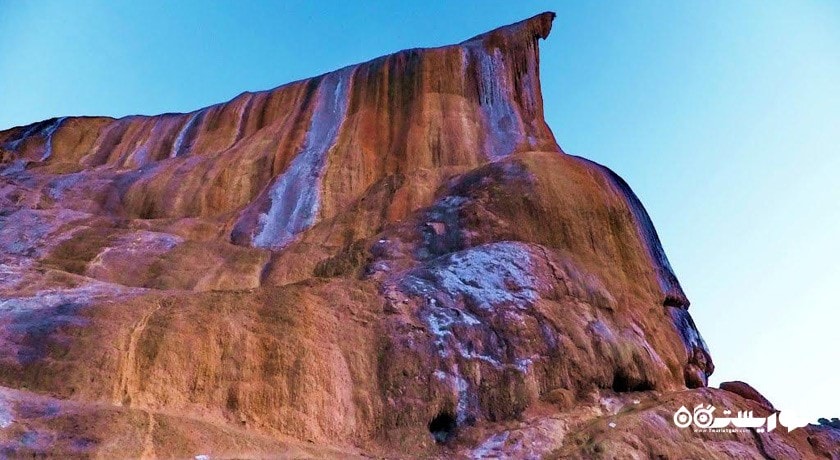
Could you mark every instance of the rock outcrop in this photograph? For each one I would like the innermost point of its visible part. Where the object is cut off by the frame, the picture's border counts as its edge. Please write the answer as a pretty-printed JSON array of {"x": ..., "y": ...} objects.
[{"x": 394, "y": 259}]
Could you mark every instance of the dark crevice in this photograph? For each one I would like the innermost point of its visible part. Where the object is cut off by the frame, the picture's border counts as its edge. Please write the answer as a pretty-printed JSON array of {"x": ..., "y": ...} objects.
[
  {"x": 674, "y": 301},
  {"x": 622, "y": 383},
  {"x": 443, "y": 427}
]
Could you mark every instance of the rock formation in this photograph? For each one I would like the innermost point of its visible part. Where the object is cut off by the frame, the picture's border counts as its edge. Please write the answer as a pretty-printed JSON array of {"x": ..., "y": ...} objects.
[{"x": 393, "y": 259}]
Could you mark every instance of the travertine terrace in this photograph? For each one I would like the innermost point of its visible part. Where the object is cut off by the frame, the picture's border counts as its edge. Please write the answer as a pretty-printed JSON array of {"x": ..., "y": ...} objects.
[{"x": 393, "y": 259}]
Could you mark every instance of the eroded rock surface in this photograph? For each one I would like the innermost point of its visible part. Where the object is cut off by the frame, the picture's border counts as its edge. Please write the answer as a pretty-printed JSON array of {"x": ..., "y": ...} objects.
[{"x": 392, "y": 259}]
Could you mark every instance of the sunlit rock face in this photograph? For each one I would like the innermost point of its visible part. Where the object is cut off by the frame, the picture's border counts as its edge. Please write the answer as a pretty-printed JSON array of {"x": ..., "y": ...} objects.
[{"x": 395, "y": 258}]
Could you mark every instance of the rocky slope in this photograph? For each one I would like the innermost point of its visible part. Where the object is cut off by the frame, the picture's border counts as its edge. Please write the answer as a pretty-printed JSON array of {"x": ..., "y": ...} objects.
[{"x": 393, "y": 259}]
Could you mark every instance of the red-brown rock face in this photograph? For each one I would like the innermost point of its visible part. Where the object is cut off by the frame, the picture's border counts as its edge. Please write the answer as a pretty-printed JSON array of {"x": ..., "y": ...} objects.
[{"x": 394, "y": 258}]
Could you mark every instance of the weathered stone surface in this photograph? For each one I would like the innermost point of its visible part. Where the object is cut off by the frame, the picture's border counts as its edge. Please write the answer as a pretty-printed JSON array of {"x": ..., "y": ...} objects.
[
  {"x": 745, "y": 390},
  {"x": 395, "y": 258}
]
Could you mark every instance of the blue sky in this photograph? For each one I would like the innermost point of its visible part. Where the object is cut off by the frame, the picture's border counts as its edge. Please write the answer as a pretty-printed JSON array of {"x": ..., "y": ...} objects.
[{"x": 723, "y": 116}]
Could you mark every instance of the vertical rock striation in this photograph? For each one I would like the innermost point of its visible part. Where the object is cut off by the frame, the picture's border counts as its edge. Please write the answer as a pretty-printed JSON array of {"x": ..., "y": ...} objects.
[{"x": 393, "y": 259}]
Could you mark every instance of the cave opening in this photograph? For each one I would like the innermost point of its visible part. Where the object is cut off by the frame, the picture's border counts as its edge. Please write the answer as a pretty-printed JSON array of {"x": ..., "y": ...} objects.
[
  {"x": 622, "y": 383},
  {"x": 442, "y": 427}
]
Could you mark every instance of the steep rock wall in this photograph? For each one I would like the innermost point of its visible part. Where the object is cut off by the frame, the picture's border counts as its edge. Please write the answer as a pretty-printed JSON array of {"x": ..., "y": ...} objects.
[{"x": 394, "y": 258}]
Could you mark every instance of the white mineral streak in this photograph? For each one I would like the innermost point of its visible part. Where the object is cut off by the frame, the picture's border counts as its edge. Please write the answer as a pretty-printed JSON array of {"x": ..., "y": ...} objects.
[
  {"x": 183, "y": 136},
  {"x": 6, "y": 412},
  {"x": 137, "y": 243},
  {"x": 241, "y": 121},
  {"x": 295, "y": 195},
  {"x": 462, "y": 390},
  {"x": 492, "y": 279},
  {"x": 48, "y": 134},
  {"x": 490, "y": 447},
  {"x": 50, "y": 298},
  {"x": 491, "y": 275},
  {"x": 30, "y": 232},
  {"x": 504, "y": 131},
  {"x": 139, "y": 156},
  {"x": 13, "y": 270},
  {"x": 29, "y": 131}
]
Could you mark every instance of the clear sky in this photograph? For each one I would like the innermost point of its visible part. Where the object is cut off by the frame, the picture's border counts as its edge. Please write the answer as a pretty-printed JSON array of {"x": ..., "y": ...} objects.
[{"x": 723, "y": 116}]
